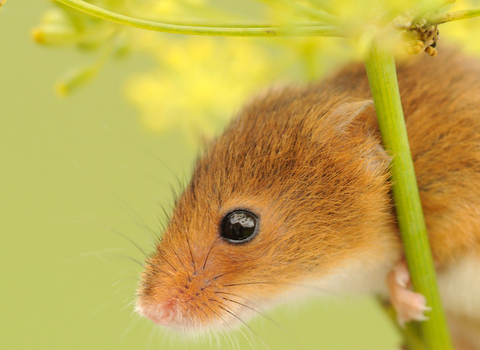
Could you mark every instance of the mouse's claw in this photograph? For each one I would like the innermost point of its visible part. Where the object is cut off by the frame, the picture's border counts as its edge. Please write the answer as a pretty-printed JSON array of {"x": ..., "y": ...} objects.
[{"x": 408, "y": 304}]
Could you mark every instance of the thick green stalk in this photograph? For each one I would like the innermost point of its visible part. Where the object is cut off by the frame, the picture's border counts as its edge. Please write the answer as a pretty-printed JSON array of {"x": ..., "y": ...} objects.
[
  {"x": 203, "y": 30},
  {"x": 382, "y": 76}
]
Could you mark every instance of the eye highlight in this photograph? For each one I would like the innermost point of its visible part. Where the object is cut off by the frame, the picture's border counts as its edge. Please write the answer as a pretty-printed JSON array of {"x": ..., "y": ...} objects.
[{"x": 239, "y": 226}]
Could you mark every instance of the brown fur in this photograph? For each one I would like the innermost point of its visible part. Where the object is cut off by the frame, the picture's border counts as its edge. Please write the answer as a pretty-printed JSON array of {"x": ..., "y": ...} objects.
[{"x": 309, "y": 162}]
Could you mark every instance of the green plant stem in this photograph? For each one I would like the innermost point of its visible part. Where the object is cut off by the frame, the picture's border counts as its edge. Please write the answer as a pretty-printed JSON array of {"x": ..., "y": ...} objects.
[
  {"x": 205, "y": 30},
  {"x": 380, "y": 66},
  {"x": 453, "y": 16}
]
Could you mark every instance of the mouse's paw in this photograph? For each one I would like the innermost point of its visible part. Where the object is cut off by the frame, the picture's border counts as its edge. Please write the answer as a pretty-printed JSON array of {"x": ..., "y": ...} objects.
[{"x": 409, "y": 305}]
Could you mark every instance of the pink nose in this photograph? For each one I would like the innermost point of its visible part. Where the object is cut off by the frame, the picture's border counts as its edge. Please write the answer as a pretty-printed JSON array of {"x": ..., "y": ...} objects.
[{"x": 160, "y": 314}]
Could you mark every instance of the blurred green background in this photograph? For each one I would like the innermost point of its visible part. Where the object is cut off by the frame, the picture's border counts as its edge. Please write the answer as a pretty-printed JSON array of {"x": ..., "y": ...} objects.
[{"x": 75, "y": 170}]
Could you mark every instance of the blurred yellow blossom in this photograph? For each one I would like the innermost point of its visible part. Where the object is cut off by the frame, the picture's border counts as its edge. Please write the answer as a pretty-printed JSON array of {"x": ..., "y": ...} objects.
[{"x": 199, "y": 81}]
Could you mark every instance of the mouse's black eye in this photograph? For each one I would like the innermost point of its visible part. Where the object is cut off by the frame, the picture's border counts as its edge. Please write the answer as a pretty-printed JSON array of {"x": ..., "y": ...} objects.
[{"x": 239, "y": 226}]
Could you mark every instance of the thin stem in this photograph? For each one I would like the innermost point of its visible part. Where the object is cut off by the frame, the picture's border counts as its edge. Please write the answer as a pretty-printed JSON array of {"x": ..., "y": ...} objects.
[
  {"x": 205, "y": 30},
  {"x": 380, "y": 66},
  {"x": 453, "y": 16}
]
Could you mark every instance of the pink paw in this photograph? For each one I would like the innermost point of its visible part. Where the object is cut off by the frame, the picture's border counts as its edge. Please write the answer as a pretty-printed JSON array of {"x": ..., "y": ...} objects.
[{"x": 408, "y": 304}]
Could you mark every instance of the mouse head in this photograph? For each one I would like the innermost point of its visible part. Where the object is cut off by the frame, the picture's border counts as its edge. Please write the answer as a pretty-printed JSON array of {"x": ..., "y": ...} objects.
[{"x": 294, "y": 187}]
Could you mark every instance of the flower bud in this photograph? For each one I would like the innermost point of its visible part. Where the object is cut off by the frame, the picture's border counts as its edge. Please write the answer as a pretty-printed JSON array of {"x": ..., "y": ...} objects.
[
  {"x": 55, "y": 29},
  {"x": 54, "y": 35}
]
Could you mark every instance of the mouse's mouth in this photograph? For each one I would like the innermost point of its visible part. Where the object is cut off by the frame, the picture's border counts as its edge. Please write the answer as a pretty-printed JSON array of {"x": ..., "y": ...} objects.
[{"x": 193, "y": 315}]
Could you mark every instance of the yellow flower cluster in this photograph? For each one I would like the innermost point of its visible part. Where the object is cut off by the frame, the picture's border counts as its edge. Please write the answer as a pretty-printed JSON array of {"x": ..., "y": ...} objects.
[{"x": 200, "y": 82}]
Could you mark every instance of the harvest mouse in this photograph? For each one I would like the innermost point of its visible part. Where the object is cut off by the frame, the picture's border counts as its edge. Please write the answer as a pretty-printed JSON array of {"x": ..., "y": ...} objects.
[{"x": 295, "y": 197}]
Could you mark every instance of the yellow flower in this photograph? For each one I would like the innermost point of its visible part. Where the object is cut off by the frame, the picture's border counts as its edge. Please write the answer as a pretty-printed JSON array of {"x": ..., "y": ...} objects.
[{"x": 199, "y": 81}]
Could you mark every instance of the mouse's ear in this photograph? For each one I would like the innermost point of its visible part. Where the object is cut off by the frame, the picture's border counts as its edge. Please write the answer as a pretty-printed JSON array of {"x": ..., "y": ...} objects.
[{"x": 357, "y": 122}]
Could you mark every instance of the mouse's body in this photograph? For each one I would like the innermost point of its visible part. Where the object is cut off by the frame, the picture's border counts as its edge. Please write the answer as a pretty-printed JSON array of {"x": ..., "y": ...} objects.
[{"x": 307, "y": 166}]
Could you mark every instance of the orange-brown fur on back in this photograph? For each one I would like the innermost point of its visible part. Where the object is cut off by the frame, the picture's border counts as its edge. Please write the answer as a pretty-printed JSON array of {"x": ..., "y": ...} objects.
[{"x": 309, "y": 163}]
